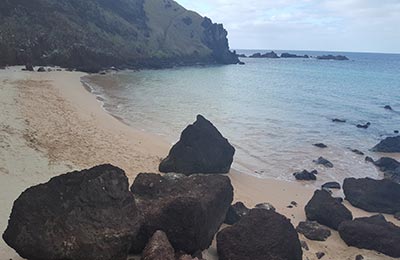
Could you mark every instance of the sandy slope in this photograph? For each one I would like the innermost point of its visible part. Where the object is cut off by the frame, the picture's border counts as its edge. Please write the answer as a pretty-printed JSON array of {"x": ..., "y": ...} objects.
[{"x": 50, "y": 124}]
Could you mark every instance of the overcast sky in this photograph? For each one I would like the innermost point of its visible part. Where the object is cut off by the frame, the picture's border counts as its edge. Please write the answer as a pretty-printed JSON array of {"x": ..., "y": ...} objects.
[{"x": 342, "y": 25}]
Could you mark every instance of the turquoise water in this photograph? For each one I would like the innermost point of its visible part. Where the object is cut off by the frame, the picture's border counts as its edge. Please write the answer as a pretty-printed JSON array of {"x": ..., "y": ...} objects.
[{"x": 272, "y": 110}]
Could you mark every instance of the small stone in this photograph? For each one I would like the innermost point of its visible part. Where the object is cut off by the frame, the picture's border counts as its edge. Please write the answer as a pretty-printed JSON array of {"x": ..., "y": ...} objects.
[
  {"x": 357, "y": 152},
  {"x": 267, "y": 206},
  {"x": 369, "y": 159},
  {"x": 320, "y": 255},
  {"x": 304, "y": 245},
  {"x": 336, "y": 120},
  {"x": 320, "y": 145},
  {"x": 294, "y": 203},
  {"x": 359, "y": 257},
  {"x": 324, "y": 162},
  {"x": 387, "y": 107}
]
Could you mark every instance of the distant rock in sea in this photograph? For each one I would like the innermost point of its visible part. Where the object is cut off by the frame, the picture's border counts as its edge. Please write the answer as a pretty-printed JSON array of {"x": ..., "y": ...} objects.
[
  {"x": 261, "y": 234},
  {"x": 306, "y": 175},
  {"x": 388, "y": 145},
  {"x": 365, "y": 126},
  {"x": 357, "y": 151},
  {"x": 288, "y": 55},
  {"x": 332, "y": 57},
  {"x": 201, "y": 149},
  {"x": 270, "y": 55},
  {"x": 387, "y": 107},
  {"x": 320, "y": 145},
  {"x": 336, "y": 120},
  {"x": 373, "y": 233},
  {"x": 242, "y": 56},
  {"x": 324, "y": 162}
]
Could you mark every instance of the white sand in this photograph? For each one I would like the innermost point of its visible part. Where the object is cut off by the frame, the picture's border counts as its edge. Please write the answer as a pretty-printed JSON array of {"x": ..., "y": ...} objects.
[{"x": 50, "y": 125}]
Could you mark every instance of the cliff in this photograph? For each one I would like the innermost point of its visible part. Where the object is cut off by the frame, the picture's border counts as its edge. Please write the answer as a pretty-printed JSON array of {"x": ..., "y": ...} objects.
[{"x": 94, "y": 34}]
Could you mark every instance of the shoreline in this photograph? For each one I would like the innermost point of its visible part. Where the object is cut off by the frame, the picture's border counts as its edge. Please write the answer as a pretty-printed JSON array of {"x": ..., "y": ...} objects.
[{"x": 62, "y": 127}]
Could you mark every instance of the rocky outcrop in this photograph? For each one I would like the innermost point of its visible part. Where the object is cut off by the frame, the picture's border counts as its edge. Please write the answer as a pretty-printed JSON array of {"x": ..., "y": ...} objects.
[
  {"x": 235, "y": 213},
  {"x": 94, "y": 34},
  {"x": 373, "y": 233},
  {"x": 332, "y": 57},
  {"x": 262, "y": 234},
  {"x": 269, "y": 55},
  {"x": 201, "y": 149},
  {"x": 373, "y": 195},
  {"x": 388, "y": 145},
  {"x": 306, "y": 175},
  {"x": 189, "y": 210},
  {"x": 158, "y": 248},
  {"x": 327, "y": 210},
  {"x": 313, "y": 231},
  {"x": 390, "y": 167},
  {"x": 289, "y": 55},
  {"x": 324, "y": 162},
  {"x": 87, "y": 214},
  {"x": 266, "y": 206},
  {"x": 215, "y": 38}
]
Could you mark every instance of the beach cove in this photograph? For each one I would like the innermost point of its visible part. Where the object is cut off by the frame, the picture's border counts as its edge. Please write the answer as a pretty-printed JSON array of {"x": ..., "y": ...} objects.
[{"x": 51, "y": 125}]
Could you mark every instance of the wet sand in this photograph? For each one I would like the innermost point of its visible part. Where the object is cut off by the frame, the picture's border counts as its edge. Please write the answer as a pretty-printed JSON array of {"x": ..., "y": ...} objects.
[{"x": 50, "y": 125}]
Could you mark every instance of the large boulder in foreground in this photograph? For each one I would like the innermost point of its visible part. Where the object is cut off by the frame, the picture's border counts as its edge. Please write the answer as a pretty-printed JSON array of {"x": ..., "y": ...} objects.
[
  {"x": 201, "y": 149},
  {"x": 373, "y": 195},
  {"x": 327, "y": 210},
  {"x": 158, "y": 248},
  {"x": 189, "y": 210},
  {"x": 388, "y": 145},
  {"x": 261, "y": 234},
  {"x": 373, "y": 233},
  {"x": 89, "y": 214}
]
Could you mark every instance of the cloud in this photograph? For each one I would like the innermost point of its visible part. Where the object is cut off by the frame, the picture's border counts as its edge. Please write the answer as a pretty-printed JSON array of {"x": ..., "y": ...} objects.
[{"x": 352, "y": 25}]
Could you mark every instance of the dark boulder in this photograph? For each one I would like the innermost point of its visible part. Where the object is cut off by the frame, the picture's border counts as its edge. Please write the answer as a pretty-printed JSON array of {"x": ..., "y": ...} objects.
[
  {"x": 373, "y": 233},
  {"x": 373, "y": 195},
  {"x": 319, "y": 255},
  {"x": 262, "y": 234},
  {"x": 235, "y": 213},
  {"x": 357, "y": 151},
  {"x": 365, "y": 126},
  {"x": 320, "y": 145},
  {"x": 396, "y": 131},
  {"x": 29, "y": 67},
  {"x": 390, "y": 167},
  {"x": 313, "y": 231},
  {"x": 266, "y": 206},
  {"x": 326, "y": 210},
  {"x": 41, "y": 69},
  {"x": 332, "y": 57},
  {"x": 331, "y": 185},
  {"x": 369, "y": 159},
  {"x": 324, "y": 162},
  {"x": 158, "y": 248},
  {"x": 289, "y": 55},
  {"x": 336, "y": 120},
  {"x": 189, "y": 210},
  {"x": 306, "y": 175},
  {"x": 359, "y": 257},
  {"x": 201, "y": 149},
  {"x": 388, "y": 145},
  {"x": 387, "y": 107},
  {"x": 87, "y": 214}
]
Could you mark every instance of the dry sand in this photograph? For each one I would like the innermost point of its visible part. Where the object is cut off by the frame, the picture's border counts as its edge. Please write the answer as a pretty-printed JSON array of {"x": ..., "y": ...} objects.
[{"x": 50, "y": 125}]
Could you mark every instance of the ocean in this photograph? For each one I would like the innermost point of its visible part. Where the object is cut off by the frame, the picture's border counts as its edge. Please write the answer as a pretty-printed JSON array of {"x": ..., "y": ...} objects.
[{"x": 271, "y": 110}]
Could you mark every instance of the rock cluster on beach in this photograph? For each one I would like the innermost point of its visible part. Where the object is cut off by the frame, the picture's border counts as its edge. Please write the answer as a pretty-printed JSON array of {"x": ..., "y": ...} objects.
[{"x": 201, "y": 149}]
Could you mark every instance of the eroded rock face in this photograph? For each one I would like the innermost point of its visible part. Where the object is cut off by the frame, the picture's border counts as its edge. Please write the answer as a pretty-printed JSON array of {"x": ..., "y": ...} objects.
[
  {"x": 87, "y": 214},
  {"x": 327, "y": 210},
  {"x": 189, "y": 210},
  {"x": 262, "y": 234},
  {"x": 388, "y": 145},
  {"x": 373, "y": 195},
  {"x": 158, "y": 248},
  {"x": 373, "y": 233},
  {"x": 201, "y": 149}
]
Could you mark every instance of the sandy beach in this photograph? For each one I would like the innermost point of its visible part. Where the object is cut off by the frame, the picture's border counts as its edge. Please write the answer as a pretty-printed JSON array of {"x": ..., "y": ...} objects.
[{"x": 50, "y": 124}]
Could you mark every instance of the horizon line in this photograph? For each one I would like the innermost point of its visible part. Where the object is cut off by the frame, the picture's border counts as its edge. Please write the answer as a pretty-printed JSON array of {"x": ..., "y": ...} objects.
[{"x": 367, "y": 52}]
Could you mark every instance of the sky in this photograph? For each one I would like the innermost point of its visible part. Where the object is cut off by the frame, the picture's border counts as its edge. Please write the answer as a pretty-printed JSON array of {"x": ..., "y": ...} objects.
[{"x": 334, "y": 25}]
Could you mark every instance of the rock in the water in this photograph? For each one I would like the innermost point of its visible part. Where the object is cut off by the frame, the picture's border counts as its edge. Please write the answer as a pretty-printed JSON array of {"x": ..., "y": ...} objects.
[
  {"x": 337, "y": 120},
  {"x": 306, "y": 175},
  {"x": 390, "y": 167},
  {"x": 373, "y": 233},
  {"x": 387, "y": 107},
  {"x": 396, "y": 131},
  {"x": 87, "y": 214},
  {"x": 356, "y": 151},
  {"x": 201, "y": 149},
  {"x": 365, "y": 126},
  {"x": 320, "y": 145},
  {"x": 397, "y": 215},
  {"x": 359, "y": 257},
  {"x": 326, "y": 210},
  {"x": 266, "y": 206},
  {"x": 369, "y": 159},
  {"x": 331, "y": 185},
  {"x": 158, "y": 248},
  {"x": 373, "y": 195},
  {"x": 289, "y": 55},
  {"x": 235, "y": 213},
  {"x": 270, "y": 55},
  {"x": 41, "y": 69},
  {"x": 319, "y": 255},
  {"x": 313, "y": 231},
  {"x": 29, "y": 67},
  {"x": 262, "y": 234},
  {"x": 388, "y": 145},
  {"x": 189, "y": 210},
  {"x": 324, "y": 162}
]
